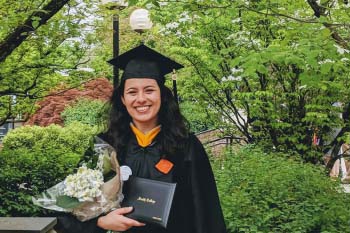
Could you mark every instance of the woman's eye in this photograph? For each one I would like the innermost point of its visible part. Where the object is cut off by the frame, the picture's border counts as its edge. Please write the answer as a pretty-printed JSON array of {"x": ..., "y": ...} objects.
[
  {"x": 149, "y": 91},
  {"x": 131, "y": 93}
]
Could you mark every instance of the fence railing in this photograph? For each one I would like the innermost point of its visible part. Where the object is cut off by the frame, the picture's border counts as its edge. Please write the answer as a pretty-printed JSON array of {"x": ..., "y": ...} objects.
[{"x": 211, "y": 139}]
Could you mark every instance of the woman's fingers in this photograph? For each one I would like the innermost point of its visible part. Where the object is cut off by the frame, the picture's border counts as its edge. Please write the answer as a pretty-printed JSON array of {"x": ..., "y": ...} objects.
[
  {"x": 131, "y": 222},
  {"x": 116, "y": 220},
  {"x": 124, "y": 210}
]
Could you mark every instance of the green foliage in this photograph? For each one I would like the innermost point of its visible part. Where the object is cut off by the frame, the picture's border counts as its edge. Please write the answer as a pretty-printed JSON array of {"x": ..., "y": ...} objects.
[
  {"x": 35, "y": 158},
  {"x": 270, "y": 70},
  {"x": 200, "y": 118},
  {"x": 263, "y": 192},
  {"x": 75, "y": 138},
  {"x": 85, "y": 111},
  {"x": 51, "y": 55}
]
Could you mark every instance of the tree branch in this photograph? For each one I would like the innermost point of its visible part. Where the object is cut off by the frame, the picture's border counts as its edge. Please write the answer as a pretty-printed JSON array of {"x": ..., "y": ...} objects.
[
  {"x": 277, "y": 14},
  {"x": 321, "y": 11},
  {"x": 7, "y": 116},
  {"x": 15, "y": 39}
]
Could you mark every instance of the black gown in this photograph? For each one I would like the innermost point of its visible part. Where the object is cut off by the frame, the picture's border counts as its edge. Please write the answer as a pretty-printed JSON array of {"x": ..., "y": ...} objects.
[{"x": 196, "y": 207}]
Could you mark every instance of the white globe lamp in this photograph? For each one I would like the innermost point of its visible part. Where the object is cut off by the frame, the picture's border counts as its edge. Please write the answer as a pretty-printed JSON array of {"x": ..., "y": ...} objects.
[{"x": 140, "y": 20}]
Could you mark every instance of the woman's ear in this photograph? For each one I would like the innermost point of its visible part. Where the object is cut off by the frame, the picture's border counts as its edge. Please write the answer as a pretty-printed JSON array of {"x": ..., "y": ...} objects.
[{"x": 122, "y": 98}]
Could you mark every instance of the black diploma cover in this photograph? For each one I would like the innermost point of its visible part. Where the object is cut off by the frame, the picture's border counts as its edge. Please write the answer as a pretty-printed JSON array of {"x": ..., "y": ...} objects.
[{"x": 151, "y": 200}]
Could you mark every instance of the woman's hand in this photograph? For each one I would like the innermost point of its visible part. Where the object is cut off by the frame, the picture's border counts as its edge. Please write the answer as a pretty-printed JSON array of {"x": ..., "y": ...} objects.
[{"x": 116, "y": 221}]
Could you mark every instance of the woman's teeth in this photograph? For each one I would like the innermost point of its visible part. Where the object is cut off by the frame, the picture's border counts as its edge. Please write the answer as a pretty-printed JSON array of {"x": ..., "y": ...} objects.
[{"x": 142, "y": 109}]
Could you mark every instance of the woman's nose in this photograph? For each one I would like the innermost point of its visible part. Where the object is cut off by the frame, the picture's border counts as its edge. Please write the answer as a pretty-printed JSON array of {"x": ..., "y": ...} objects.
[{"x": 141, "y": 97}]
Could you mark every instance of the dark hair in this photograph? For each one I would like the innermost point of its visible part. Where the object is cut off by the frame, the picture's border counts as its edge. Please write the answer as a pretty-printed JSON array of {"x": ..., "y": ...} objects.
[{"x": 174, "y": 126}]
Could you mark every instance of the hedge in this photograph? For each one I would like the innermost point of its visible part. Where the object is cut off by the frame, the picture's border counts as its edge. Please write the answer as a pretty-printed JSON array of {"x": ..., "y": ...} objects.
[{"x": 271, "y": 193}]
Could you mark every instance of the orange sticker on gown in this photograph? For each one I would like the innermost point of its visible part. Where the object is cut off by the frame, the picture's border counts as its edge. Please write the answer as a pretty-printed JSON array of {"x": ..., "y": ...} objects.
[{"x": 164, "y": 166}]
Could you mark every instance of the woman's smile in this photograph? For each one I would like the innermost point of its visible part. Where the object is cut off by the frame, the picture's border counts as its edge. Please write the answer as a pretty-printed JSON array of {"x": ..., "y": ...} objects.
[{"x": 143, "y": 109}]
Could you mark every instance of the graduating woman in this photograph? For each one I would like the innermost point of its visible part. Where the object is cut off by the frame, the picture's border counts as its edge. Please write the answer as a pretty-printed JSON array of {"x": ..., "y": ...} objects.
[{"x": 151, "y": 137}]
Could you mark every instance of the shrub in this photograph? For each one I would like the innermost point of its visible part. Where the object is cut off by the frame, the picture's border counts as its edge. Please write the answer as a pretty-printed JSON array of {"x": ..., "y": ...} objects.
[
  {"x": 35, "y": 158},
  {"x": 73, "y": 138},
  {"x": 87, "y": 111},
  {"x": 268, "y": 193}
]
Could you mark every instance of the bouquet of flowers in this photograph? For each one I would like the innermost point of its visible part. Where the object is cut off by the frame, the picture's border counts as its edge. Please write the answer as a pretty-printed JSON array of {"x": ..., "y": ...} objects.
[{"x": 85, "y": 194}]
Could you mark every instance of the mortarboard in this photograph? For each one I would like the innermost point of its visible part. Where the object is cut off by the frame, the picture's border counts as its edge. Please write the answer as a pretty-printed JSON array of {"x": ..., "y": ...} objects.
[{"x": 144, "y": 62}]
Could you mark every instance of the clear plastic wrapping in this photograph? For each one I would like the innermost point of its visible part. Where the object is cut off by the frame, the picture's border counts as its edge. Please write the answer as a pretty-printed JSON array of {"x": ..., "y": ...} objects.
[{"x": 84, "y": 194}]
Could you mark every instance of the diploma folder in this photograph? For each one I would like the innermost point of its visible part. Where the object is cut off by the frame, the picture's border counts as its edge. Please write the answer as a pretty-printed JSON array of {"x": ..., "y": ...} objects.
[{"x": 150, "y": 199}]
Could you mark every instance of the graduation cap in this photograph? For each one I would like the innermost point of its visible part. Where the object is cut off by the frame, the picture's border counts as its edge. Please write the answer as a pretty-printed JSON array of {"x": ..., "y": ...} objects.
[{"x": 144, "y": 62}]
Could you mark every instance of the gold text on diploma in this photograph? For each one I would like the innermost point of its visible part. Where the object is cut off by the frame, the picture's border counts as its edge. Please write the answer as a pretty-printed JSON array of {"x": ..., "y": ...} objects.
[
  {"x": 147, "y": 200},
  {"x": 156, "y": 218}
]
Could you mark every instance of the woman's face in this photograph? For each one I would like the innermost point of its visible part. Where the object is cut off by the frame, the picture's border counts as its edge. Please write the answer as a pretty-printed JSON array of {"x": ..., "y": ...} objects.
[{"x": 142, "y": 100}]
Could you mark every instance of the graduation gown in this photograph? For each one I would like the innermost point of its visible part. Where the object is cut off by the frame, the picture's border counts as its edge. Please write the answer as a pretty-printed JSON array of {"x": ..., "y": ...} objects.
[{"x": 196, "y": 207}]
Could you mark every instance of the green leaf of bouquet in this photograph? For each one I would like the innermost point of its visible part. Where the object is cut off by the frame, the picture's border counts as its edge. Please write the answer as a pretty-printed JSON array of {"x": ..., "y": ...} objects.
[
  {"x": 107, "y": 166},
  {"x": 67, "y": 202}
]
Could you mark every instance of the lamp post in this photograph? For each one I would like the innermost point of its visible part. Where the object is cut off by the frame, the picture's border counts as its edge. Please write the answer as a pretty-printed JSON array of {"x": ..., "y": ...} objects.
[
  {"x": 115, "y": 5},
  {"x": 115, "y": 49}
]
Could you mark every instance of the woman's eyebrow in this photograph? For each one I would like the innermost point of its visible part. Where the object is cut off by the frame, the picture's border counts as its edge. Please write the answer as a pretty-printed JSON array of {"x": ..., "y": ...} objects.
[
  {"x": 153, "y": 86},
  {"x": 135, "y": 88}
]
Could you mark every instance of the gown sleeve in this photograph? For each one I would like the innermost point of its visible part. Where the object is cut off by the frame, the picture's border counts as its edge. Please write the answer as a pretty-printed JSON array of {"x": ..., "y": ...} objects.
[
  {"x": 208, "y": 217},
  {"x": 69, "y": 224}
]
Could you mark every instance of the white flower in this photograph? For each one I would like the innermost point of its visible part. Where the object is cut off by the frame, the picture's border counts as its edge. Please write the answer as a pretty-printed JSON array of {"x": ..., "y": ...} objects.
[
  {"x": 184, "y": 17},
  {"x": 344, "y": 59},
  {"x": 172, "y": 25},
  {"x": 196, "y": 16},
  {"x": 231, "y": 78},
  {"x": 341, "y": 50},
  {"x": 236, "y": 20},
  {"x": 179, "y": 34},
  {"x": 297, "y": 14},
  {"x": 326, "y": 61},
  {"x": 234, "y": 70},
  {"x": 242, "y": 36},
  {"x": 162, "y": 3},
  {"x": 190, "y": 33},
  {"x": 84, "y": 185},
  {"x": 86, "y": 69},
  {"x": 294, "y": 45},
  {"x": 234, "y": 78}
]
